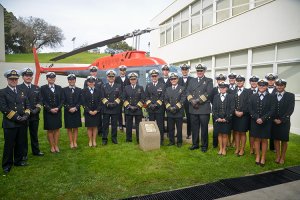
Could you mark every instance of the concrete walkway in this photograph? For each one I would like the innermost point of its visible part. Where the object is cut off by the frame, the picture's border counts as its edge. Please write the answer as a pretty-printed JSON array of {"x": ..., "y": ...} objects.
[{"x": 288, "y": 191}]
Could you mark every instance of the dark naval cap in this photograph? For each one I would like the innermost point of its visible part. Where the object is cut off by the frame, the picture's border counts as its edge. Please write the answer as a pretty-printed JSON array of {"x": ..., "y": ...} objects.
[
  {"x": 12, "y": 74},
  {"x": 254, "y": 78},
  {"x": 27, "y": 71},
  {"x": 221, "y": 77},
  {"x": 281, "y": 82},
  {"x": 132, "y": 75},
  {"x": 223, "y": 84},
  {"x": 185, "y": 67},
  {"x": 93, "y": 68},
  {"x": 71, "y": 77},
  {"x": 262, "y": 82},
  {"x": 271, "y": 76},
  {"x": 240, "y": 78},
  {"x": 200, "y": 67},
  {"x": 50, "y": 75}
]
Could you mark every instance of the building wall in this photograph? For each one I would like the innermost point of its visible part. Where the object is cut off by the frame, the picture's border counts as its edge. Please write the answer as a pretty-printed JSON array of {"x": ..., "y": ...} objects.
[
  {"x": 2, "y": 41},
  {"x": 263, "y": 38}
]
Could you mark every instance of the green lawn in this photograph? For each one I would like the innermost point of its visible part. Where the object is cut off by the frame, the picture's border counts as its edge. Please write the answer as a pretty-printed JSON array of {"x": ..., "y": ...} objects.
[
  {"x": 123, "y": 170},
  {"x": 81, "y": 58}
]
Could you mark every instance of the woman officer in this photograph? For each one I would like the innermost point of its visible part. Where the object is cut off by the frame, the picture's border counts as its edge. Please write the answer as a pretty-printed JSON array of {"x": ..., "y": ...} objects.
[
  {"x": 284, "y": 108},
  {"x": 91, "y": 101},
  {"x": 261, "y": 108},
  {"x": 72, "y": 115},
  {"x": 53, "y": 100}
]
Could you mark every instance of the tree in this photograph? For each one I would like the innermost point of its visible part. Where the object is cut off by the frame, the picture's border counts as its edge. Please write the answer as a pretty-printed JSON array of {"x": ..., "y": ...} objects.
[
  {"x": 35, "y": 32},
  {"x": 122, "y": 45},
  {"x": 10, "y": 44}
]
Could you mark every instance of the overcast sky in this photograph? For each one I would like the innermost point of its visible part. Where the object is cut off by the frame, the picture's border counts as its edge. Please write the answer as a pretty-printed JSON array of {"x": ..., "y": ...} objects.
[{"x": 91, "y": 21}]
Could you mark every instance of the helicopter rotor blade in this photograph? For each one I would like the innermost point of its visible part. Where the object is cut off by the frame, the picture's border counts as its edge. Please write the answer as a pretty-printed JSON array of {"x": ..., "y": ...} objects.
[{"x": 102, "y": 43}]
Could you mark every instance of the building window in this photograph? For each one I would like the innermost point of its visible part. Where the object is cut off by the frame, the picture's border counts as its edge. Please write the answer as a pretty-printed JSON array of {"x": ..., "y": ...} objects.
[
  {"x": 207, "y": 61},
  {"x": 262, "y": 70},
  {"x": 185, "y": 22},
  {"x": 223, "y": 11},
  {"x": 239, "y": 6},
  {"x": 291, "y": 73},
  {"x": 239, "y": 57},
  {"x": 162, "y": 35},
  {"x": 196, "y": 7},
  {"x": 222, "y": 60},
  {"x": 239, "y": 71},
  {"x": 260, "y": 2},
  {"x": 288, "y": 50},
  {"x": 263, "y": 54},
  {"x": 169, "y": 31},
  {"x": 176, "y": 27},
  {"x": 207, "y": 13}
]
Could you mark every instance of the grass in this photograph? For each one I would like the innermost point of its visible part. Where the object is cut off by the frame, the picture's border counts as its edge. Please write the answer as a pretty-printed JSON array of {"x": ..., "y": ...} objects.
[
  {"x": 81, "y": 58},
  {"x": 123, "y": 170}
]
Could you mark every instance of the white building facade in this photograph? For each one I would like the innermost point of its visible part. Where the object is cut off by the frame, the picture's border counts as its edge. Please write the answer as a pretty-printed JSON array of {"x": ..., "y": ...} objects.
[{"x": 248, "y": 37}]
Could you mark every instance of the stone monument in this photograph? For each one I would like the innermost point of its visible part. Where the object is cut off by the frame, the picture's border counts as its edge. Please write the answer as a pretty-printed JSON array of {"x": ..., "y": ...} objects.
[{"x": 149, "y": 136}]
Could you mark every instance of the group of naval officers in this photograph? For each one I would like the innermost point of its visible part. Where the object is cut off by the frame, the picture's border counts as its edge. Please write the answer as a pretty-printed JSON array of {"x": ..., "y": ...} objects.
[{"x": 264, "y": 110}]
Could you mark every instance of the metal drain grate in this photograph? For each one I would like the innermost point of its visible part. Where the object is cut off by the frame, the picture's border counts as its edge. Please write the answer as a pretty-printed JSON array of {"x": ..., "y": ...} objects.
[{"x": 228, "y": 187}]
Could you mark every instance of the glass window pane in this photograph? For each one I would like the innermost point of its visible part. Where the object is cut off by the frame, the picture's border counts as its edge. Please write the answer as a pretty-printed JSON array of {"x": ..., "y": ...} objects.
[
  {"x": 239, "y": 57},
  {"x": 239, "y": 6},
  {"x": 207, "y": 62},
  {"x": 194, "y": 63},
  {"x": 184, "y": 28},
  {"x": 169, "y": 32},
  {"x": 176, "y": 32},
  {"x": 206, "y": 3},
  {"x": 222, "y": 10},
  {"x": 222, "y": 60},
  {"x": 260, "y": 2},
  {"x": 208, "y": 74},
  {"x": 207, "y": 17},
  {"x": 162, "y": 38},
  {"x": 263, "y": 54},
  {"x": 195, "y": 23},
  {"x": 239, "y": 71},
  {"x": 261, "y": 71},
  {"x": 288, "y": 50},
  {"x": 291, "y": 73},
  {"x": 196, "y": 7}
]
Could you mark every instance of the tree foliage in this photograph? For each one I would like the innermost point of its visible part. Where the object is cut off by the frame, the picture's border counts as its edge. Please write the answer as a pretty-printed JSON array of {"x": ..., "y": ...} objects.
[
  {"x": 122, "y": 45},
  {"x": 22, "y": 34}
]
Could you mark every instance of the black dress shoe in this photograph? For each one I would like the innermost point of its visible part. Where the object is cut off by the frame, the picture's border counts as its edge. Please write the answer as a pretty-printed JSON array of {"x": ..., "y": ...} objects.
[
  {"x": 121, "y": 128},
  {"x": 39, "y": 154},
  {"x": 128, "y": 140},
  {"x": 204, "y": 150},
  {"x": 170, "y": 144},
  {"x": 179, "y": 144},
  {"x": 104, "y": 143},
  {"x": 6, "y": 170},
  {"x": 24, "y": 158},
  {"x": 194, "y": 147},
  {"x": 115, "y": 142},
  {"x": 21, "y": 164},
  {"x": 257, "y": 163}
]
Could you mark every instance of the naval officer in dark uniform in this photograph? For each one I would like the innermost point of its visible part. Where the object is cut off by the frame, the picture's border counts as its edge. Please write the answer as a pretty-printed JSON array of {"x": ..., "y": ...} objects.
[
  {"x": 216, "y": 90},
  {"x": 222, "y": 111},
  {"x": 253, "y": 90},
  {"x": 154, "y": 97},
  {"x": 15, "y": 107},
  {"x": 241, "y": 115},
  {"x": 72, "y": 113},
  {"x": 35, "y": 101},
  {"x": 53, "y": 100},
  {"x": 134, "y": 97},
  {"x": 184, "y": 81},
  {"x": 284, "y": 108},
  {"x": 261, "y": 109},
  {"x": 174, "y": 98},
  {"x": 271, "y": 78},
  {"x": 98, "y": 85},
  {"x": 198, "y": 95},
  {"x": 91, "y": 102},
  {"x": 123, "y": 80},
  {"x": 111, "y": 99}
]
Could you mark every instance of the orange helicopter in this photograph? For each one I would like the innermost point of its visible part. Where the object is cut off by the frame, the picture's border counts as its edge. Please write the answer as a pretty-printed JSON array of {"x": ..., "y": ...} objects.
[{"x": 136, "y": 61}]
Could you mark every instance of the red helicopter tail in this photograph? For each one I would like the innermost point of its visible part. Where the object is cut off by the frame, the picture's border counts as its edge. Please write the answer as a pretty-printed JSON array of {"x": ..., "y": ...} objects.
[{"x": 37, "y": 67}]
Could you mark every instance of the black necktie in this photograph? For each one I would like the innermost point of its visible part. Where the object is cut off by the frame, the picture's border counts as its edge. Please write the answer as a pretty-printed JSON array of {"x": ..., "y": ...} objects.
[
  {"x": 15, "y": 91},
  {"x": 174, "y": 87},
  {"x": 28, "y": 86}
]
